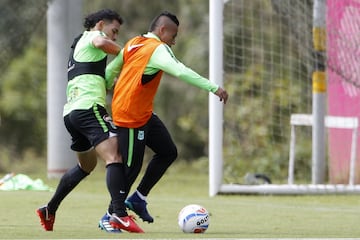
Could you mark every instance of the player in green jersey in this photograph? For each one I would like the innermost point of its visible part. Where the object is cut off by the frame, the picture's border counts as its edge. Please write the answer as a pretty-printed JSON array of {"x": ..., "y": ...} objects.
[{"x": 87, "y": 120}]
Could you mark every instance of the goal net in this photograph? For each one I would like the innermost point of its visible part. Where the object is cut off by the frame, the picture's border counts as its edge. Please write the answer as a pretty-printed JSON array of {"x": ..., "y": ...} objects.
[{"x": 268, "y": 69}]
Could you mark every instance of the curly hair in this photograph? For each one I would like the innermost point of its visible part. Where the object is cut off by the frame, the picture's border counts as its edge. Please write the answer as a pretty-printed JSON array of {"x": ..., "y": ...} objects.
[{"x": 104, "y": 14}]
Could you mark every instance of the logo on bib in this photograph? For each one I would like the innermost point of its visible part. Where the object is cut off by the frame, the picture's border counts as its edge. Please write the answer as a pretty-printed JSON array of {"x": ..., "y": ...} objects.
[{"x": 141, "y": 135}]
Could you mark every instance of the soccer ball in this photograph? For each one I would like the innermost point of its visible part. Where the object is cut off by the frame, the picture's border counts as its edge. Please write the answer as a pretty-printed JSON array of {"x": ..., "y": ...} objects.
[{"x": 193, "y": 218}]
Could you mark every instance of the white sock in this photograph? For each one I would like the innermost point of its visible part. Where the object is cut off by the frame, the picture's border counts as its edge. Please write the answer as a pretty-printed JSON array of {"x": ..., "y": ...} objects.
[{"x": 142, "y": 197}]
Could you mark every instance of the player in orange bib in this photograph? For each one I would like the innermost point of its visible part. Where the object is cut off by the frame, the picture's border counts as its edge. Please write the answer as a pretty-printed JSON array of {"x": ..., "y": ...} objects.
[{"x": 141, "y": 64}]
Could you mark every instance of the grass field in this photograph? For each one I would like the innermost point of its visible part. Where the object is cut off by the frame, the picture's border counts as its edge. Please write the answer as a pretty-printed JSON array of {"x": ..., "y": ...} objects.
[{"x": 232, "y": 216}]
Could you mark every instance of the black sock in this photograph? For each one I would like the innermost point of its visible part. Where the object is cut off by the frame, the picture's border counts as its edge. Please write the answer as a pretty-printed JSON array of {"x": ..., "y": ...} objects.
[
  {"x": 67, "y": 183},
  {"x": 115, "y": 181}
]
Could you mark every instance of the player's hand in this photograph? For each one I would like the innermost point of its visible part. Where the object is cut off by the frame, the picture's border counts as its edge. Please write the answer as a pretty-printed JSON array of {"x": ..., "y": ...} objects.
[{"x": 222, "y": 94}]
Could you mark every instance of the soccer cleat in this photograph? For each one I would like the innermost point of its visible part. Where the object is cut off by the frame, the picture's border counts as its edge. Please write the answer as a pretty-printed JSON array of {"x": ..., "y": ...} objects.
[
  {"x": 137, "y": 205},
  {"x": 46, "y": 219},
  {"x": 126, "y": 223},
  {"x": 106, "y": 226}
]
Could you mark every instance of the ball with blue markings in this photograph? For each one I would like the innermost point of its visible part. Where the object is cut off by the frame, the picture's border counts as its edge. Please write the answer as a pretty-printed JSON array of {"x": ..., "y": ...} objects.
[{"x": 193, "y": 218}]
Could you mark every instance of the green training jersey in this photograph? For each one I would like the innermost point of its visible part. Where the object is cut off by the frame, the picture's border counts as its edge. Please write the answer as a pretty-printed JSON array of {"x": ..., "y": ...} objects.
[
  {"x": 164, "y": 59},
  {"x": 85, "y": 90}
]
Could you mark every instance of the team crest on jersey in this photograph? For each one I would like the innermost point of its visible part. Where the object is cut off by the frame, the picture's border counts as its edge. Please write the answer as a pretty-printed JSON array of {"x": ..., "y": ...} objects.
[{"x": 141, "y": 135}]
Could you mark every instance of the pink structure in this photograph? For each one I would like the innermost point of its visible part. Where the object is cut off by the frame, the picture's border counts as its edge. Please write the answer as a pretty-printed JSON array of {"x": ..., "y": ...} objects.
[{"x": 343, "y": 75}]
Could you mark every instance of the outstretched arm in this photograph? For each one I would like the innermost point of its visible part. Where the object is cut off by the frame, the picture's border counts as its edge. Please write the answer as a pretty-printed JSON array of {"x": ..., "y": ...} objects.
[{"x": 164, "y": 59}]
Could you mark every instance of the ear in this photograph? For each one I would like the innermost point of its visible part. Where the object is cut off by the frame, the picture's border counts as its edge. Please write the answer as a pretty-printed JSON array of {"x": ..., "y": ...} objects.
[
  {"x": 162, "y": 29},
  {"x": 100, "y": 25}
]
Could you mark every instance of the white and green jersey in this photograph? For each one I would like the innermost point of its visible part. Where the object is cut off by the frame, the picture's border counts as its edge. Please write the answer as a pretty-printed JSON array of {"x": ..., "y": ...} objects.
[{"x": 85, "y": 90}]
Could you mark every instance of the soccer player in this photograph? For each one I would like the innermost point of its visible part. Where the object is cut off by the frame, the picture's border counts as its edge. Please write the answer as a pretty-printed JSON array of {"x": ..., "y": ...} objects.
[
  {"x": 142, "y": 63},
  {"x": 87, "y": 120}
]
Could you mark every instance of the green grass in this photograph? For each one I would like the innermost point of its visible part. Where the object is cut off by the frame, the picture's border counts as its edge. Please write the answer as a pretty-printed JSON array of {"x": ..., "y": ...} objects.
[{"x": 232, "y": 216}]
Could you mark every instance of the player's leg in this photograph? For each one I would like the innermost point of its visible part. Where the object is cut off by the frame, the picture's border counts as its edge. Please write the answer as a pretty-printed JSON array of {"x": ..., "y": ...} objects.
[
  {"x": 115, "y": 180},
  {"x": 67, "y": 183},
  {"x": 87, "y": 161},
  {"x": 115, "y": 175},
  {"x": 132, "y": 147},
  {"x": 165, "y": 152},
  {"x": 159, "y": 140},
  {"x": 132, "y": 157},
  {"x": 132, "y": 144},
  {"x": 71, "y": 179}
]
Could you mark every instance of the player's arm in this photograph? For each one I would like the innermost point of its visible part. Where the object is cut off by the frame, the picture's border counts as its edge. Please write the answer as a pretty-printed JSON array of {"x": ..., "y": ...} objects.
[
  {"x": 113, "y": 69},
  {"x": 106, "y": 44},
  {"x": 164, "y": 59}
]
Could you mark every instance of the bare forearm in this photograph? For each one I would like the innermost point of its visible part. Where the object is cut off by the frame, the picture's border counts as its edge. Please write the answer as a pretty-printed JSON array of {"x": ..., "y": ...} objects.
[{"x": 107, "y": 45}]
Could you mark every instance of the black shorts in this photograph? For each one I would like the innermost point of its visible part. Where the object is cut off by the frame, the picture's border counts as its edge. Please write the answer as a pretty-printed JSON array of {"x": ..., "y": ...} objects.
[{"x": 89, "y": 127}]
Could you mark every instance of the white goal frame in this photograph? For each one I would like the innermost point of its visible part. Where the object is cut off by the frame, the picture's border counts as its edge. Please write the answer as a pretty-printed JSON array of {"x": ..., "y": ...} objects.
[
  {"x": 330, "y": 122},
  {"x": 216, "y": 185}
]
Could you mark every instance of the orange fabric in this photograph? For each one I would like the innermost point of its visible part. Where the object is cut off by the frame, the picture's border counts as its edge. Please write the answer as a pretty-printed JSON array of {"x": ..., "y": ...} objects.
[{"x": 132, "y": 102}]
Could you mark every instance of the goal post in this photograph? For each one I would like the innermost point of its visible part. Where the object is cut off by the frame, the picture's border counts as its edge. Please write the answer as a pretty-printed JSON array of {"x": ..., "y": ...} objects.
[
  {"x": 319, "y": 84},
  {"x": 215, "y": 108},
  {"x": 279, "y": 58}
]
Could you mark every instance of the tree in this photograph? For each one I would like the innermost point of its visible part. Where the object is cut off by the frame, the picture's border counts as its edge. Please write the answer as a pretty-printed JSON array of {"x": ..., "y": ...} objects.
[{"x": 23, "y": 101}]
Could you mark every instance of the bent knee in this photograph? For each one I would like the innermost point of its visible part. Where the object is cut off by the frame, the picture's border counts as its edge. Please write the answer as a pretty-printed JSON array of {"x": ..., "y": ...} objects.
[{"x": 173, "y": 154}]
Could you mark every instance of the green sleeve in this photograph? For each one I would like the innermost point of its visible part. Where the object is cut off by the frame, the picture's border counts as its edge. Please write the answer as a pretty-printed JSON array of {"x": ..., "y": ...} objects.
[
  {"x": 113, "y": 69},
  {"x": 163, "y": 58}
]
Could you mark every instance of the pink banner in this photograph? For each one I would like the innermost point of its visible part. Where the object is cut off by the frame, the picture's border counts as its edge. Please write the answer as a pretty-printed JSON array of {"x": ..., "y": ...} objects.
[{"x": 343, "y": 64}]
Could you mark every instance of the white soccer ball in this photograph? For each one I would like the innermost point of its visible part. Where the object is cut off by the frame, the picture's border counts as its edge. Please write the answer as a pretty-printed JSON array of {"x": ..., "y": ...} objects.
[{"x": 193, "y": 218}]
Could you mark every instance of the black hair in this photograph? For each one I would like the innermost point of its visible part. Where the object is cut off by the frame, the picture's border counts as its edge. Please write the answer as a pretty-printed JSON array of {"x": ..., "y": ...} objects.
[
  {"x": 104, "y": 14},
  {"x": 171, "y": 16}
]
